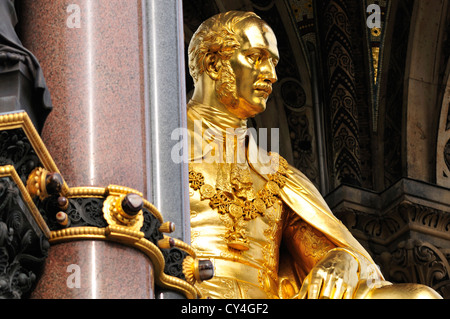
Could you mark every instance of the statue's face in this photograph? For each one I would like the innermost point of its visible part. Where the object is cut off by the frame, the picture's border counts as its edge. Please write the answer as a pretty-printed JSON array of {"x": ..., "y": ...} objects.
[{"x": 253, "y": 68}]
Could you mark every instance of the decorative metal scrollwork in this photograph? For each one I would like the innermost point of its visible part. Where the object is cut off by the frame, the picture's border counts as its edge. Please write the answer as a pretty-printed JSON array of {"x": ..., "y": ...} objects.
[
  {"x": 38, "y": 209},
  {"x": 16, "y": 150},
  {"x": 23, "y": 248}
]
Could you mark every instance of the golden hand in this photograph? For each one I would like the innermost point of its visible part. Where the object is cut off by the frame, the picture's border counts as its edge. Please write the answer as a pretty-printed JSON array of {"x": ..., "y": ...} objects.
[{"x": 335, "y": 276}]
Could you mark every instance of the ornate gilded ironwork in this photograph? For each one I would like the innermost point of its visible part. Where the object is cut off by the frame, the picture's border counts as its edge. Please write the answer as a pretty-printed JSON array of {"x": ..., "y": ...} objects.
[
  {"x": 115, "y": 214},
  {"x": 30, "y": 183},
  {"x": 97, "y": 213},
  {"x": 23, "y": 237}
]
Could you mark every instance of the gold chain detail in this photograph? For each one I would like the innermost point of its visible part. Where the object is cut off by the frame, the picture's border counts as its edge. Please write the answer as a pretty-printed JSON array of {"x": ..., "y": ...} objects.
[{"x": 242, "y": 211}]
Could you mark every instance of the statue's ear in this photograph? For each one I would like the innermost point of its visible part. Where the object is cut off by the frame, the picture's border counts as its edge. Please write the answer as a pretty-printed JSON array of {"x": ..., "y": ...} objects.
[{"x": 212, "y": 65}]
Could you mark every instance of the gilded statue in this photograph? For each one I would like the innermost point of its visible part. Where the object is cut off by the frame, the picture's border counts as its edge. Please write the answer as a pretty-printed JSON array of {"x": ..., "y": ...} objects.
[{"x": 262, "y": 223}]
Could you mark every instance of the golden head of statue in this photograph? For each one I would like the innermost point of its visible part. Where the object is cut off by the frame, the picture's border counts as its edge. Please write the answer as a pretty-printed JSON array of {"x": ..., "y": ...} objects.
[
  {"x": 232, "y": 59},
  {"x": 269, "y": 235}
]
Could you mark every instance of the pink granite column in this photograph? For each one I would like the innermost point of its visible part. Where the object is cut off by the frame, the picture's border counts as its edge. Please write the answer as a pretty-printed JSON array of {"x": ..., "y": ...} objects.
[
  {"x": 94, "y": 72},
  {"x": 91, "y": 56},
  {"x": 91, "y": 269}
]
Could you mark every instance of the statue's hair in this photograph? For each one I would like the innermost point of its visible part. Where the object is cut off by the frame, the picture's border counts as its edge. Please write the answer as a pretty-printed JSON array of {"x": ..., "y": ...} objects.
[{"x": 215, "y": 35}]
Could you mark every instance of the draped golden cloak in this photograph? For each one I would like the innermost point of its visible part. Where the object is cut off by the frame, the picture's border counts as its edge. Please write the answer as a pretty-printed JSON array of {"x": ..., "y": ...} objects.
[{"x": 299, "y": 196}]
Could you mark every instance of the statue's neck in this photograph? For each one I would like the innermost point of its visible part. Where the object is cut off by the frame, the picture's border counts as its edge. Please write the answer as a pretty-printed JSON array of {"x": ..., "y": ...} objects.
[{"x": 218, "y": 117}]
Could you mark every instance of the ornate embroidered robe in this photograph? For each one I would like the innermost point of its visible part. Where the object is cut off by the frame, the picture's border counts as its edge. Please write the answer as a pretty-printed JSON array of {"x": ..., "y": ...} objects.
[{"x": 263, "y": 229}]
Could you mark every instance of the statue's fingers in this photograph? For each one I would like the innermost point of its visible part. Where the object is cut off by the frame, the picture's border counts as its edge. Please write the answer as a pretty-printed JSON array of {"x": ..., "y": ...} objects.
[
  {"x": 349, "y": 291},
  {"x": 328, "y": 285},
  {"x": 315, "y": 287},
  {"x": 339, "y": 289},
  {"x": 304, "y": 289}
]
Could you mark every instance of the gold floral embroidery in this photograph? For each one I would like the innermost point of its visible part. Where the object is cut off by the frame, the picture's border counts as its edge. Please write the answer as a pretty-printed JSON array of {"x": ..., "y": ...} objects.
[
  {"x": 316, "y": 245},
  {"x": 196, "y": 180},
  {"x": 242, "y": 210}
]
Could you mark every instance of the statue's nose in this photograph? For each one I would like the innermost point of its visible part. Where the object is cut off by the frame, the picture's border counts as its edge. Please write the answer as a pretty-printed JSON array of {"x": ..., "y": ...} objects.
[{"x": 268, "y": 71}]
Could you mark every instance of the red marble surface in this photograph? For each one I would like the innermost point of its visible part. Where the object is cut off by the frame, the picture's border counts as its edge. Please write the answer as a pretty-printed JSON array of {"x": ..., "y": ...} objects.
[
  {"x": 95, "y": 133},
  {"x": 106, "y": 270}
]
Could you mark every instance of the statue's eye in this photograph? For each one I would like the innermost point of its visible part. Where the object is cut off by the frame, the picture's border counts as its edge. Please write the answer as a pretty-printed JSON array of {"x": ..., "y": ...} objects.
[{"x": 254, "y": 58}]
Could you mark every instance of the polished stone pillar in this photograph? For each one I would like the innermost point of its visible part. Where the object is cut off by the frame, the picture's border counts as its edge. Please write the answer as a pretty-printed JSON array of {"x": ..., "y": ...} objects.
[
  {"x": 95, "y": 269},
  {"x": 165, "y": 113},
  {"x": 95, "y": 133},
  {"x": 114, "y": 69},
  {"x": 166, "y": 110}
]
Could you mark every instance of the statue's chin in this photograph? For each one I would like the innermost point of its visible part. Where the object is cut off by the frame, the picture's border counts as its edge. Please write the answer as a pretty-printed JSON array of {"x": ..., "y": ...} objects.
[{"x": 245, "y": 110}]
